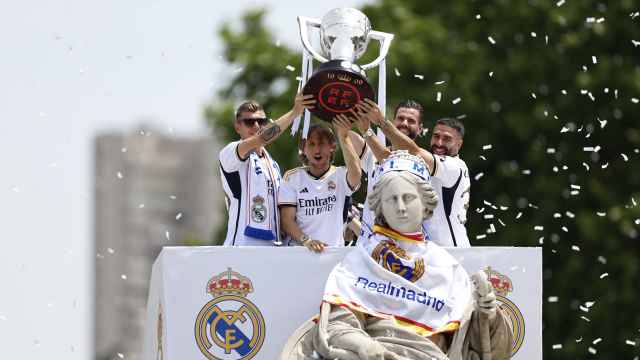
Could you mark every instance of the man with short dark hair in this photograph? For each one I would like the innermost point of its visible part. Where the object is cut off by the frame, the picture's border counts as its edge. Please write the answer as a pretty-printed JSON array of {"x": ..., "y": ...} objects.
[
  {"x": 450, "y": 175},
  {"x": 250, "y": 177}
]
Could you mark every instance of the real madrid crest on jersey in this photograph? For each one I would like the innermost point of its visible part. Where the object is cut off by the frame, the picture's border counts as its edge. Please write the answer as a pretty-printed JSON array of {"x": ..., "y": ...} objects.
[
  {"x": 502, "y": 286},
  {"x": 396, "y": 260},
  {"x": 258, "y": 210},
  {"x": 229, "y": 327}
]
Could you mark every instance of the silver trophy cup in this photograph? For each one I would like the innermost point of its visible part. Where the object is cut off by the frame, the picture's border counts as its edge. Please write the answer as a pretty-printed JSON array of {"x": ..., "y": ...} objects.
[{"x": 339, "y": 83}]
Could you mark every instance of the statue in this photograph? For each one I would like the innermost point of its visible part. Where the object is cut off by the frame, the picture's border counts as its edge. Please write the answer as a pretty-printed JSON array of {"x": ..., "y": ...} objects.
[{"x": 399, "y": 296}]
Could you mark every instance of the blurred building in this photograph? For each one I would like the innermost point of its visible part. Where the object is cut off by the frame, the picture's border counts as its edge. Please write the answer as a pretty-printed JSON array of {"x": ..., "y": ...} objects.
[{"x": 151, "y": 191}]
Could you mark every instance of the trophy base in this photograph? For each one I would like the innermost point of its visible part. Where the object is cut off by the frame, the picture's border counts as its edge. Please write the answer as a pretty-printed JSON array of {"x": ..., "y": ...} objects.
[{"x": 337, "y": 86}]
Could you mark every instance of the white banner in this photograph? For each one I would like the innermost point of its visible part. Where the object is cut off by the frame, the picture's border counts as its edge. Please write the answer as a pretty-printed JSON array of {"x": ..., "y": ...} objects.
[{"x": 224, "y": 303}]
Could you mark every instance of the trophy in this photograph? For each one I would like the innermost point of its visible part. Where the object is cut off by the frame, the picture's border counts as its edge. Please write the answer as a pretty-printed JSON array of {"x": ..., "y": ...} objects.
[{"x": 339, "y": 83}]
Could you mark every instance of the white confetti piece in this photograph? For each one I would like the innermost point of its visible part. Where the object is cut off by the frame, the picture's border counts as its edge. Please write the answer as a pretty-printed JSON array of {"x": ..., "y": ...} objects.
[
  {"x": 556, "y": 346},
  {"x": 586, "y": 166},
  {"x": 504, "y": 208},
  {"x": 140, "y": 206},
  {"x": 438, "y": 96},
  {"x": 526, "y": 172},
  {"x": 546, "y": 39},
  {"x": 570, "y": 214},
  {"x": 491, "y": 74},
  {"x": 488, "y": 216},
  {"x": 396, "y": 71},
  {"x": 635, "y": 100},
  {"x": 604, "y": 166},
  {"x": 596, "y": 341},
  {"x": 533, "y": 95},
  {"x": 478, "y": 16},
  {"x": 637, "y": 222},
  {"x": 478, "y": 176},
  {"x": 172, "y": 197},
  {"x": 575, "y": 192},
  {"x": 519, "y": 215},
  {"x": 583, "y": 308},
  {"x": 501, "y": 223},
  {"x": 594, "y": 59},
  {"x": 538, "y": 228},
  {"x": 629, "y": 342},
  {"x": 552, "y": 299},
  {"x": 483, "y": 157},
  {"x": 591, "y": 96},
  {"x": 600, "y": 20},
  {"x": 590, "y": 19},
  {"x": 604, "y": 275},
  {"x": 601, "y": 213},
  {"x": 123, "y": 277},
  {"x": 585, "y": 319},
  {"x": 589, "y": 304},
  {"x": 167, "y": 235},
  {"x": 120, "y": 355},
  {"x": 418, "y": 76},
  {"x": 560, "y": 3},
  {"x": 178, "y": 216},
  {"x": 479, "y": 237},
  {"x": 492, "y": 228},
  {"x": 591, "y": 350},
  {"x": 588, "y": 148},
  {"x": 557, "y": 215},
  {"x": 551, "y": 151},
  {"x": 564, "y": 92},
  {"x": 624, "y": 157},
  {"x": 493, "y": 42},
  {"x": 602, "y": 259},
  {"x": 577, "y": 187},
  {"x": 615, "y": 93},
  {"x": 439, "y": 82},
  {"x": 575, "y": 248},
  {"x": 487, "y": 147},
  {"x": 564, "y": 129},
  {"x": 555, "y": 169},
  {"x": 119, "y": 174},
  {"x": 533, "y": 34},
  {"x": 635, "y": 43},
  {"x": 290, "y": 68},
  {"x": 456, "y": 100},
  {"x": 564, "y": 228}
]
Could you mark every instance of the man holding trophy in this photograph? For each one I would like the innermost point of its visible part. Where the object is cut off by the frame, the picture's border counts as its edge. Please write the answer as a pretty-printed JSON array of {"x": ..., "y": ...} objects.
[{"x": 397, "y": 295}]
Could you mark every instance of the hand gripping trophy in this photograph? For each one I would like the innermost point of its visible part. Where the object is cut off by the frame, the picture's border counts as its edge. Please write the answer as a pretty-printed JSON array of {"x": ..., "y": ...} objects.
[{"x": 339, "y": 83}]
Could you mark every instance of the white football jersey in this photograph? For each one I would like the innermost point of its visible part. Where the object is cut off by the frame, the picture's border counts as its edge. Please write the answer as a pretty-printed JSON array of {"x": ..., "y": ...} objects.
[
  {"x": 234, "y": 173},
  {"x": 320, "y": 202},
  {"x": 452, "y": 184}
]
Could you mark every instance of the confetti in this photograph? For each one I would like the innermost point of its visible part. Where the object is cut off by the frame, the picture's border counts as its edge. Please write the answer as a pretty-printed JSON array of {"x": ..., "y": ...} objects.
[
  {"x": 479, "y": 237},
  {"x": 584, "y": 308},
  {"x": 557, "y": 215},
  {"x": 488, "y": 216},
  {"x": 604, "y": 275},
  {"x": 592, "y": 350},
  {"x": 439, "y": 82},
  {"x": 552, "y": 299},
  {"x": 601, "y": 213},
  {"x": 493, "y": 42},
  {"x": 478, "y": 16},
  {"x": 487, "y": 147},
  {"x": 635, "y": 100},
  {"x": 629, "y": 342},
  {"x": 577, "y": 187},
  {"x": 178, "y": 216},
  {"x": 438, "y": 96},
  {"x": 533, "y": 34},
  {"x": 290, "y": 68},
  {"x": 594, "y": 59},
  {"x": 602, "y": 259},
  {"x": 526, "y": 172},
  {"x": 456, "y": 100},
  {"x": 140, "y": 206},
  {"x": 123, "y": 277},
  {"x": 560, "y": 3},
  {"x": 538, "y": 228},
  {"x": 556, "y": 346},
  {"x": 519, "y": 215},
  {"x": 172, "y": 197},
  {"x": 478, "y": 176},
  {"x": 589, "y": 304},
  {"x": 491, "y": 74},
  {"x": 396, "y": 71},
  {"x": 418, "y": 76},
  {"x": 570, "y": 214},
  {"x": 482, "y": 157},
  {"x": 551, "y": 151},
  {"x": 604, "y": 166},
  {"x": 585, "y": 319},
  {"x": 119, "y": 174},
  {"x": 575, "y": 248},
  {"x": 635, "y": 43},
  {"x": 167, "y": 235},
  {"x": 120, "y": 355},
  {"x": 624, "y": 157},
  {"x": 564, "y": 228},
  {"x": 596, "y": 341},
  {"x": 533, "y": 95}
]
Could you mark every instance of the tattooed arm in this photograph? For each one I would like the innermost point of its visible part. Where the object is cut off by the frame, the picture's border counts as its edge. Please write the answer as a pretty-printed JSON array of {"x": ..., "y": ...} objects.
[{"x": 270, "y": 132}]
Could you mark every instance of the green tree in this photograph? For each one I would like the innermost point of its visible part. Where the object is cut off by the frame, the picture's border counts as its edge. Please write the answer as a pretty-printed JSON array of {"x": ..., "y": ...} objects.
[{"x": 554, "y": 88}]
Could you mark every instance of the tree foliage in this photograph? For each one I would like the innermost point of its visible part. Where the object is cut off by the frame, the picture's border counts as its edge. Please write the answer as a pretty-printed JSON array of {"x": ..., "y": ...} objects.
[{"x": 554, "y": 88}]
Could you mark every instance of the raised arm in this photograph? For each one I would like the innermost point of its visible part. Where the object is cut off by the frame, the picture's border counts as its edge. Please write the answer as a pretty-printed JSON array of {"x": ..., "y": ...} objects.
[
  {"x": 400, "y": 141},
  {"x": 342, "y": 125},
  {"x": 270, "y": 132},
  {"x": 380, "y": 152}
]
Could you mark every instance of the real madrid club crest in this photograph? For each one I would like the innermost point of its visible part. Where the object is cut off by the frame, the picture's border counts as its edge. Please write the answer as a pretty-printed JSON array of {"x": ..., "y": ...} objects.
[
  {"x": 396, "y": 260},
  {"x": 258, "y": 210},
  {"x": 502, "y": 285},
  {"x": 229, "y": 327},
  {"x": 331, "y": 185}
]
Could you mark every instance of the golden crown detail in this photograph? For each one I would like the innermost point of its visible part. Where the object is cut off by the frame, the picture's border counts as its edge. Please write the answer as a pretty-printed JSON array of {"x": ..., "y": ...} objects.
[{"x": 229, "y": 283}]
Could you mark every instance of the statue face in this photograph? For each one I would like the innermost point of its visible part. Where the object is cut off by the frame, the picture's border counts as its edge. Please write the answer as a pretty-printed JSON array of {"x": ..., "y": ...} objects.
[{"x": 402, "y": 206}]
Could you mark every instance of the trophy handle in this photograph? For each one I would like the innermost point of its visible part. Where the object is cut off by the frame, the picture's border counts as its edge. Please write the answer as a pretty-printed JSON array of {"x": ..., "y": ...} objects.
[
  {"x": 385, "y": 42},
  {"x": 304, "y": 23}
]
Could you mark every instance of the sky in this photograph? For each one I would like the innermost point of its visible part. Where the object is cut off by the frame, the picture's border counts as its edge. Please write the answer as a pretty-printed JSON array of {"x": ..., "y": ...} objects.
[{"x": 70, "y": 70}]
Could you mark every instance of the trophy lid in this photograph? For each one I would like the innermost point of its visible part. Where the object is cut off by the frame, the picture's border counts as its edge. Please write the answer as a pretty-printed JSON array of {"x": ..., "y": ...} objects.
[{"x": 350, "y": 27}]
